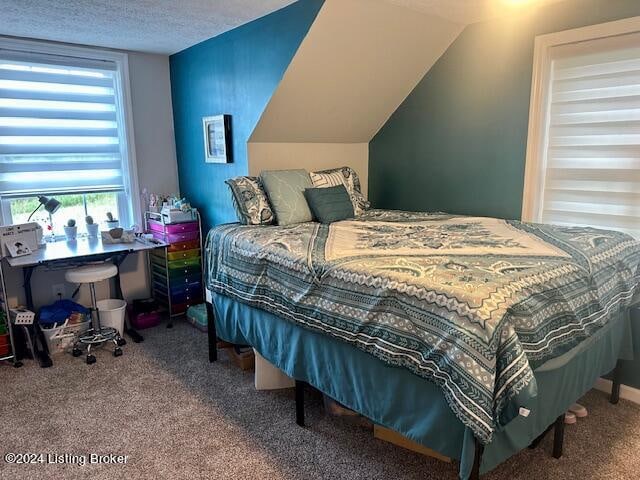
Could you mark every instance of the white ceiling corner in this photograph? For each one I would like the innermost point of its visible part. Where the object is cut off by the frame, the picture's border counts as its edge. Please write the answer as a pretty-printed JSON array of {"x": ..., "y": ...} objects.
[
  {"x": 154, "y": 26},
  {"x": 169, "y": 26},
  {"x": 468, "y": 11}
]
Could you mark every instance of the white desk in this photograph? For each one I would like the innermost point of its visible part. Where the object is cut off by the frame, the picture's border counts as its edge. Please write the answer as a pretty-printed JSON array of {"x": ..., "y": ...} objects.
[{"x": 75, "y": 252}]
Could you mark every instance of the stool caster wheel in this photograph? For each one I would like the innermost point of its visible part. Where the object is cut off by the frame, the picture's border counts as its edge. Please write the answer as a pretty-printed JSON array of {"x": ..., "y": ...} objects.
[
  {"x": 121, "y": 342},
  {"x": 91, "y": 359},
  {"x": 76, "y": 352},
  {"x": 117, "y": 352}
]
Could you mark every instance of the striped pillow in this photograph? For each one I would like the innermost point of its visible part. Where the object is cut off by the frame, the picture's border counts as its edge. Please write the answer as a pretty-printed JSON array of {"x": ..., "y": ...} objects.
[{"x": 342, "y": 176}]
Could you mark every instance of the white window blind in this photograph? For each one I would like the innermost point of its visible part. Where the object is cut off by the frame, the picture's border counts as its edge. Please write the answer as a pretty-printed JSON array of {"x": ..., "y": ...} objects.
[
  {"x": 59, "y": 125},
  {"x": 592, "y": 148}
]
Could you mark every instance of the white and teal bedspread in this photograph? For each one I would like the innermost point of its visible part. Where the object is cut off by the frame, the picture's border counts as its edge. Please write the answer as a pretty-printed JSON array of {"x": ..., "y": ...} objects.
[{"x": 473, "y": 304}]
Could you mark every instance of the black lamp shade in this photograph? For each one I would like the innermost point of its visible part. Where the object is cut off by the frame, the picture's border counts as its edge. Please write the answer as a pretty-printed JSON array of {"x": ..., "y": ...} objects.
[{"x": 51, "y": 205}]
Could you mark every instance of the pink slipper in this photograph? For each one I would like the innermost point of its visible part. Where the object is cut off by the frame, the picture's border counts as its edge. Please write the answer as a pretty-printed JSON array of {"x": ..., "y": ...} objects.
[
  {"x": 570, "y": 418},
  {"x": 579, "y": 410}
]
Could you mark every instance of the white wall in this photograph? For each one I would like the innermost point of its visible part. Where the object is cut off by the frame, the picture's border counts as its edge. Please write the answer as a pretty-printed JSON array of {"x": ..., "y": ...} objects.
[
  {"x": 310, "y": 156},
  {"x": 157, "y": 171},
  {"x": 153, "y": 122}
]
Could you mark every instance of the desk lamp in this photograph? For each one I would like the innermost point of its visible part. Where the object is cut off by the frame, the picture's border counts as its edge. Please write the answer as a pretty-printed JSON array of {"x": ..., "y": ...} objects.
[{"x": 51, "y": 205}]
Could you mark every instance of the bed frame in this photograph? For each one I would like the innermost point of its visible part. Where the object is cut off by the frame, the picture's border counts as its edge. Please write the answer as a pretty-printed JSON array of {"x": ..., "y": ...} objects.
[{"x": 300, "y": 386}]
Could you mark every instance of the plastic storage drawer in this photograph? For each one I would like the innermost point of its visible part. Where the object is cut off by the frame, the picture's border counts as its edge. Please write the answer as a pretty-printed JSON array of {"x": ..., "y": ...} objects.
[
  {"x": 177, "y": 279},
  {"x": 173, "y": 228},
  {"x": 180, "y": 255},
  {"x": 176, "y": 264},
  {"x": 191, "y": 289},
  {"x": 180, "y": 246},
  {"x": 176, "y": 272},
  {"x": 176, "y": 237}
]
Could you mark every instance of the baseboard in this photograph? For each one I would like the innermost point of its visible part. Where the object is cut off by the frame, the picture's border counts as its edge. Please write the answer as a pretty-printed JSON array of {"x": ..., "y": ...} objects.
[{"x": 628, "y": 393}]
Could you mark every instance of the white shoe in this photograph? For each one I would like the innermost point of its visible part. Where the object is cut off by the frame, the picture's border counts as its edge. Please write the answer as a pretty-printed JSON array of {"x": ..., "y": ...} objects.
[
  {"x": 579, "y": 410},
  {"x": 570, "y": 418}
]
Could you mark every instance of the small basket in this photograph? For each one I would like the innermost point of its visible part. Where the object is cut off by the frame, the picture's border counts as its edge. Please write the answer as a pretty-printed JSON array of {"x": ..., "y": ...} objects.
[
  {"x": 22, "y": 316},
  {"x": 197, "y": 316},
  {"x": 61, "y": 339}
]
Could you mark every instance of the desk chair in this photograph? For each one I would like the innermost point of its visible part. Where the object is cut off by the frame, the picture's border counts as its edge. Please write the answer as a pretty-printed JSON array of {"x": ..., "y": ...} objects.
[{"x": 96, "y": 335}]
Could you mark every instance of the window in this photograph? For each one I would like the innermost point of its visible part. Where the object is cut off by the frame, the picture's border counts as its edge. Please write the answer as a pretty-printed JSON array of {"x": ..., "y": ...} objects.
[
  {"x": 63, "y": 133},
  {"x": 583, "y": 161},
  {"x": 76, "y": 206}
]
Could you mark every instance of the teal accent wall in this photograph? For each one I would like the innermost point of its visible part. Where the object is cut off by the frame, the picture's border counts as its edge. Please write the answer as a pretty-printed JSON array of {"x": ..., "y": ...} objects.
[
  {"x": 234, "y": 73},
  {"x": 458, "y": 142}
]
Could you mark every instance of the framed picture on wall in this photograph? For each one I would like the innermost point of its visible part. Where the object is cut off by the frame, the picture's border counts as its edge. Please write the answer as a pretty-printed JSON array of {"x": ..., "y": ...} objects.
[{"x": 217, "y": 139}]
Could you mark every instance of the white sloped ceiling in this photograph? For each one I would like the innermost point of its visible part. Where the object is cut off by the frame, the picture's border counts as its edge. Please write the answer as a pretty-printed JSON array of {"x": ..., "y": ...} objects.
[{"x": 359, "y": 61}]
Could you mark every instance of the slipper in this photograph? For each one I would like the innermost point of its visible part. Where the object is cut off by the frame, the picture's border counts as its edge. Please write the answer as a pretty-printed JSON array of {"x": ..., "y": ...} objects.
[
  {"x": 570, "y": 418},
  {"x": 579, "y": 410}
]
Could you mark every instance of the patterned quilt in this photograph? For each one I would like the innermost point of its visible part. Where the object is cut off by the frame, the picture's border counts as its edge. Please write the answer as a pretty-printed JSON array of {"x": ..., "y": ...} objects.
[{"x": 473, "y": 304}]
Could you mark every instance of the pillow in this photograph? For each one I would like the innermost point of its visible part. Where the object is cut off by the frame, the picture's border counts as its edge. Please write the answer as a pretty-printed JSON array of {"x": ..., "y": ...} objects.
[
  {"x": 285, "y": 189},
  {"x": 250, "y": 201},
  {"x": 329, "y": 204},
  {"x": 347, "y": 177}
]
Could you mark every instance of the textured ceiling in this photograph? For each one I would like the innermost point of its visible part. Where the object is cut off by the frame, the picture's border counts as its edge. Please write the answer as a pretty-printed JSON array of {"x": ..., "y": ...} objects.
[
  {"x": 158, "y": 26},
  {"x": 469, "y": 11}
]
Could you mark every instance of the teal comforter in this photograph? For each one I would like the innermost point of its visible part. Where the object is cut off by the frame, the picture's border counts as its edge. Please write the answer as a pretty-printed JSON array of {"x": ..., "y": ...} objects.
[{"x": 472, "y": 304}]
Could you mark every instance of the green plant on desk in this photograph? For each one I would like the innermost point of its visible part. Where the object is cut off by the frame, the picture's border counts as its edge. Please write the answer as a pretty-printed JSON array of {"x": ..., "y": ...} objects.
[
  {"x": 92, "y": 227},
  {"x": 70, "y": 229}
]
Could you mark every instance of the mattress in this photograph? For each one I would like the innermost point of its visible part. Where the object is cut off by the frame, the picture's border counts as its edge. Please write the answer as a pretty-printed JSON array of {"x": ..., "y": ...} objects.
[{"x": 471, "y": 304}]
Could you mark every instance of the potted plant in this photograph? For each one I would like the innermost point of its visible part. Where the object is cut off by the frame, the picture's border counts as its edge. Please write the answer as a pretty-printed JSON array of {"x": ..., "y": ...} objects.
[
  {"x": 5, "y": 341},
  {"x": 92, "y": 228},
  {"x": 71, "y": 230},
  {"x": 111, "y": 222}
]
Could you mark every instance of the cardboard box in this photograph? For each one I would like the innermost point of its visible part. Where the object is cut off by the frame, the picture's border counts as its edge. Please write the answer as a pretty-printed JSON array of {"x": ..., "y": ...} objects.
[
  {"x": 388, "y": 435},
  {"x": 245, "y": 360}
]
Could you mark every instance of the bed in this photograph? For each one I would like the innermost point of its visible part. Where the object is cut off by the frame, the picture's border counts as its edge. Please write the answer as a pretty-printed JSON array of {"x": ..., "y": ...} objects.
[{"x": 466, "y": 334}]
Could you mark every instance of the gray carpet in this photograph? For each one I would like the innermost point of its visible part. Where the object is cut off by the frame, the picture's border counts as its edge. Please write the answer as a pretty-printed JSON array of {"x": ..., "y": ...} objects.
[{"x": 177, "y": 416}]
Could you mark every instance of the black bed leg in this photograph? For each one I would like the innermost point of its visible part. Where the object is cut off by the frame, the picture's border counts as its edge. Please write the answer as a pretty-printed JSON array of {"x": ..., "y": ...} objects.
[
  {"x": 477, "y": 460},
  {"x": 615, "y": 386},
  {"x": 211, "y": 333},
  {"x": 300, "y": 403},
  {"x": 537, "y": 441},
  {"x": 558, "y": 437}
]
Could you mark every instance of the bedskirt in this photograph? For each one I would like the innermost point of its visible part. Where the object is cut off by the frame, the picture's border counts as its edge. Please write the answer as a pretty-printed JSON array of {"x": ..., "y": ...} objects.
[{"x": 397, "y": 399}]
